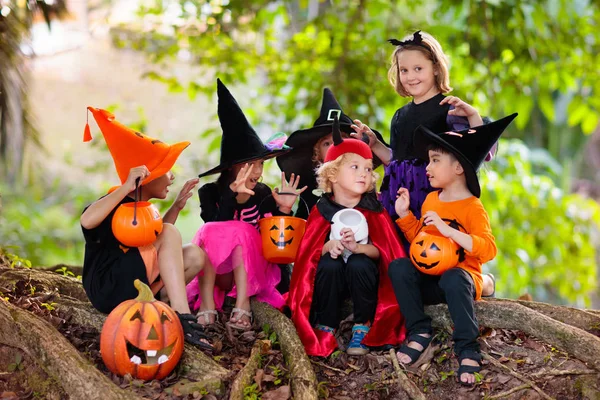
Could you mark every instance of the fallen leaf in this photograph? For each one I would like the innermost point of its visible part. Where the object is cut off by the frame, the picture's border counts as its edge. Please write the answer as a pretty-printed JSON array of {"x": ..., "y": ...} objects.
[
  {"x": 258, "y": 377},
  {"x": 281, "y": 393},
  {"x": 502, "y": 378}
]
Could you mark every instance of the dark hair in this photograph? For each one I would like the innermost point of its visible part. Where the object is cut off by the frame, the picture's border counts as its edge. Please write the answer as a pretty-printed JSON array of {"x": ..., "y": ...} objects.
[{"x": 224, "y": 180}]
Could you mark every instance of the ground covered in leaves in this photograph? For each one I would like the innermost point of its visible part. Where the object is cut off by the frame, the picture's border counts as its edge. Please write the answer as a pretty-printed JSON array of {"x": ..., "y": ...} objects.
[{"x": 517, "y": 366}]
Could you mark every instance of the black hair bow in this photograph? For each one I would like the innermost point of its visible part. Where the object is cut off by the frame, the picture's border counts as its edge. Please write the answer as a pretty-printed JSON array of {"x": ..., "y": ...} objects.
[{"x": 417, "y": 40}]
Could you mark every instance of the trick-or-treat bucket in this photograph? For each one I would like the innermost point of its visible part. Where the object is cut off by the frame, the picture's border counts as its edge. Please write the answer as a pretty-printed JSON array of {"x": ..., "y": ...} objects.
[
  {"x": 281, "y": 236},
  {"x": 137, "y": 224}
]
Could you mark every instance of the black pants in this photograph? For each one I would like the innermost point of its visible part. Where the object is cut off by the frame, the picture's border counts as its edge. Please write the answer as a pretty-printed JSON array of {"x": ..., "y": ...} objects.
[
  {"x": 454, "y": 287},
  {"x": 337, "y": 280}
]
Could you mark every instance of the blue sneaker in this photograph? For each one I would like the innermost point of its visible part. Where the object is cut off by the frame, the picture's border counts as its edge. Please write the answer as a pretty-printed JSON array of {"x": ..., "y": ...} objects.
[{"x": 355, "y": 347}]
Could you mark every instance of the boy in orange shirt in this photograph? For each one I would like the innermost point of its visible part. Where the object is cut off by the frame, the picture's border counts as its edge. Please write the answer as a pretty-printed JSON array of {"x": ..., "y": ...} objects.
[{"x": 454, "y": 158}]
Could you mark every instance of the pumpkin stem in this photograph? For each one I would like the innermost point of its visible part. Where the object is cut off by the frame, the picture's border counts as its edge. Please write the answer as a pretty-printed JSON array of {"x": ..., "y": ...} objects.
[{"x": 145, "y": 294}]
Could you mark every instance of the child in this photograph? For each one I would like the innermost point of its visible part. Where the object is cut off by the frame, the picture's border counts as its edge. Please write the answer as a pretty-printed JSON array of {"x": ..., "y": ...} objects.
[
  {"x": 309, "y": 147},
  {"x": 231, "y": 208},
  {"x": 454, "y": 158},
  {"x": 321, "y": 279},
  {"x": 419, "y": 70},
  {"x": 109, "y": 268}
]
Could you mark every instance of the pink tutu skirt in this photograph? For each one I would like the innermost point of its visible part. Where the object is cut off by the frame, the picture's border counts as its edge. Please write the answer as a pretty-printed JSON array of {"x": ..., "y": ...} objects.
[{"x": 218, "y": 240}]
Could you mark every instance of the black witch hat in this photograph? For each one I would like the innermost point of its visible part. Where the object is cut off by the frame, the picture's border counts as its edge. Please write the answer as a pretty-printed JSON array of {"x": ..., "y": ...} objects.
[
  {"x": 239, "y": 142},
  {"x": 470, "y": 146},
  {"x": 299, "y": 160}
]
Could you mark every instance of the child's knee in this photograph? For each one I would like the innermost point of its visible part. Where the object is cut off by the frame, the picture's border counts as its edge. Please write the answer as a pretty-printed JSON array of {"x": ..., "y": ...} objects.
[
  {"x": 455, "y": 279},
  {"x": 400, "y": 269},
  {"x": 169, "y": 233}
]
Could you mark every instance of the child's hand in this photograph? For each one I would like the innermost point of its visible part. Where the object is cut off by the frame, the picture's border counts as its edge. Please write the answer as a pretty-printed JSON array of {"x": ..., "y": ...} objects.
[
  {"x": 334, "y": 248},
  {"x": 348, "y": 240},
  {"x": 361, "y": 129},
  {"x": 402, "y": 202},
  {"x": 185, "y": 193},
  {"x": 141, "y": 172},
  {"x": 461, "y": 108},
  {"x": 286, "y": 201},
  {"x": 239, "y": 185},
  {"x": 432, "y": 218}
]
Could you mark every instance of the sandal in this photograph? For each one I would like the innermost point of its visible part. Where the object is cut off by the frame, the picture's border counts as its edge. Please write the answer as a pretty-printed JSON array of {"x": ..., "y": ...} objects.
[
  {"x": 493, "y": 294},
  {"x": 414, "y": 354},
  {"x": 206, "y": 315},
  {"x": 355, "y": 347},
  {"x": 193, "y": 332},
  {"x": 468, "y": 369},
  {"x": 238, "y": 323}
]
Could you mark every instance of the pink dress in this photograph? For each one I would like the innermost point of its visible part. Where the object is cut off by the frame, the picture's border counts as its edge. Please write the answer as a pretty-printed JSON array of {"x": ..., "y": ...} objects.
[{"x": 219, "y": 240}]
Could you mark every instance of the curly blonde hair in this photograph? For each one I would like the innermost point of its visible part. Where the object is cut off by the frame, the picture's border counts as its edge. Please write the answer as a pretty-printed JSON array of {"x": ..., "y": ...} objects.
[
  {"x": 326, "y": 172},
  {"x": 433, "y": 52}
]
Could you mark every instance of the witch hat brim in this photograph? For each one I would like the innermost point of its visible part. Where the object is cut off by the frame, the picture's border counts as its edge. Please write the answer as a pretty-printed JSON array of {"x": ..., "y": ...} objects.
[
  {"x": 469, "y": 146},
  {"x": 239, "y": 141},
  {"x": 229, "y": 164}
]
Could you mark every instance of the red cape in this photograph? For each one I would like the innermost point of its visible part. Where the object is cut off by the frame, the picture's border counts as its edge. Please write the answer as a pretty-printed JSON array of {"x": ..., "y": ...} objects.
[{"x": 388, "y": 325}]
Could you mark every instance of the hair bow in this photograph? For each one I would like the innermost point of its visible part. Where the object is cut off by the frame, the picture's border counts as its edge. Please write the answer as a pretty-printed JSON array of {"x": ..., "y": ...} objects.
[
  {"x": 417, "y": 40},
  {"x": 277, "y": 142}
]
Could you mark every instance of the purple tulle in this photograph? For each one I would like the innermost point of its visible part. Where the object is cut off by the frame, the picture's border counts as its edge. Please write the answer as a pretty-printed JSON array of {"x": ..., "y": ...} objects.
[{"x": 409, "y": 174}]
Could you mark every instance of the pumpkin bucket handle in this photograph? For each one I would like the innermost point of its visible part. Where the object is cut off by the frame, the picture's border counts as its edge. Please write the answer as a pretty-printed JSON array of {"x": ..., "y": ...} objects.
[
  {"x": 284, "y": 193},
  {"x": 137, "y": 189}
]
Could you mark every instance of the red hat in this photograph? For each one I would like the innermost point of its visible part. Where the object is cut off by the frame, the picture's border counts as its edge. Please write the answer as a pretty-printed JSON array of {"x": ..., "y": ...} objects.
[
  {"x": 343, "y": 146},
  {"x": 131, "y": 149}
]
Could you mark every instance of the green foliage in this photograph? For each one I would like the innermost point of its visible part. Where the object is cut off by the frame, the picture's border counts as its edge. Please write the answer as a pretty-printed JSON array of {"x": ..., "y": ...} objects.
[
  {"x": 546, "y": 238},
  {"x": 252, "y": 392},
  {"x": 17, "y": 365},
  {"x": 506, "y": 55},
  {"x": 42, "y": 223}
]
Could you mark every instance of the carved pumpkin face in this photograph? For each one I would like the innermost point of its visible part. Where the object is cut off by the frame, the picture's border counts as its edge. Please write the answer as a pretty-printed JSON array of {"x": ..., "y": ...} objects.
[
  {"x": 281, "y": 237},
  {"x": 433, "y": 253},
  {"x": 142, "y": 337},
  {"x": 142, "y": 231}
]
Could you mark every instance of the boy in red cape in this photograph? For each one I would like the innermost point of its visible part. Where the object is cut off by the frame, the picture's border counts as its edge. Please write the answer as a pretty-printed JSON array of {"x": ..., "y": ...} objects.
[{"x": 321, "y": 279}]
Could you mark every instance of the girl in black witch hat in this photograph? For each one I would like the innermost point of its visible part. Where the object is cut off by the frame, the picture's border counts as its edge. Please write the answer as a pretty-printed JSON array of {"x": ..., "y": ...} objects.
[
  {"x": 231, "y": 208},
  {"x": 309, "y": 147}
]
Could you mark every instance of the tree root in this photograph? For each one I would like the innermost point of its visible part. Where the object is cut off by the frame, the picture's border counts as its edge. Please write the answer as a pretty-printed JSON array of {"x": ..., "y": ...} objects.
[
  {"x": 55, "y": 355},
  {"x": 511, "y": 315},
  {"x": 303, "y": 378},
  {"x": 197, "y": 365},
  {"x": 404, "y": 382},
  {"x": 246, "y": 375},
  {"x": 582, "y": 319}
]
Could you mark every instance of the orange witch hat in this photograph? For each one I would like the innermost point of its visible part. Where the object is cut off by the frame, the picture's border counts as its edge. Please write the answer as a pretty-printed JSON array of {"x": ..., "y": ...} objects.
[{"x": 131, "y": 149}]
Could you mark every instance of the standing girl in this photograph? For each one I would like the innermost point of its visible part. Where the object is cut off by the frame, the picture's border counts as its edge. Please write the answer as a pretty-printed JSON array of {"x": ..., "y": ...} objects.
[
  {"x": 419, "y": 70},
  {"x": 231, "y": 207}
]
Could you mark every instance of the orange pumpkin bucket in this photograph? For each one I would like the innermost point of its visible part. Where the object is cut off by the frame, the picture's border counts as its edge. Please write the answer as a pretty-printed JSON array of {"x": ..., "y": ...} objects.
[
  {"x": 433, "y": 253},
  {"x": 137, "y": 224},
  {"x": 281, "y": 236}
]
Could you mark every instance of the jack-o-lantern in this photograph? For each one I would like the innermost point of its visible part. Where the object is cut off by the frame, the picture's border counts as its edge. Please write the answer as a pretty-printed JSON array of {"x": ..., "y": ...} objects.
[
  {"x": 281, "y": 237},
  {"x": 433, "y": 253},
  {"x": 137, "y": 224},
  {"x": 142, "y": 337}
]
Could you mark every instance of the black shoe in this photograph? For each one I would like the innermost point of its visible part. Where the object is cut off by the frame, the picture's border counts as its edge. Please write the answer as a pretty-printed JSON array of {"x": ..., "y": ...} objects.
[{"x": 193, "y": 332}]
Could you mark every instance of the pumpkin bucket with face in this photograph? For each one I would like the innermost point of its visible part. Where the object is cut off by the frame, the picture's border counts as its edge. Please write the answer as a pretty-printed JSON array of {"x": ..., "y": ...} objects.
[
  {"x": 281, "y": 237},
  {"x": 137, "y": 224},
  {"x": 142, "y": 337},
  {"x": 433, "y": 253}
]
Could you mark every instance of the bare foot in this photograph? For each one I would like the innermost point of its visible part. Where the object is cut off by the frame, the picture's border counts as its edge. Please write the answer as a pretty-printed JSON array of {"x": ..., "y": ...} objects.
[
  {"x": 240, "y": 319},
  {"x": 468, "y": 378},
  {"x": 404, "y": 358}
]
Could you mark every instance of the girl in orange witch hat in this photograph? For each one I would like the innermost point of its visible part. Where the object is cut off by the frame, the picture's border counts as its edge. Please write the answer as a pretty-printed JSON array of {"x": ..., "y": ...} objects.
[{"x": 109, "y": 267}]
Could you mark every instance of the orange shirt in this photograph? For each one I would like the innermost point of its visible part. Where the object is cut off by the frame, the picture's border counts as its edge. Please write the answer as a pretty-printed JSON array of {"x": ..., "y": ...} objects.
[{"x": 472, "y": 217}]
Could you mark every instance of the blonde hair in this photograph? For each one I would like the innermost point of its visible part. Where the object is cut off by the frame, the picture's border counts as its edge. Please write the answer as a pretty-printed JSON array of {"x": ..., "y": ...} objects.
[
  {"x": 328, "y": 171},
  {"x": 433, "y": 51}
]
